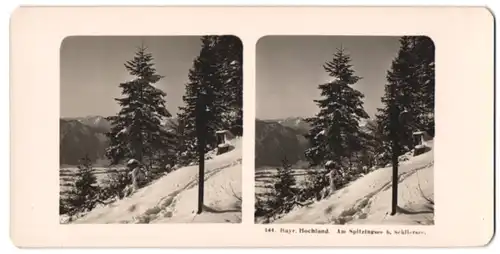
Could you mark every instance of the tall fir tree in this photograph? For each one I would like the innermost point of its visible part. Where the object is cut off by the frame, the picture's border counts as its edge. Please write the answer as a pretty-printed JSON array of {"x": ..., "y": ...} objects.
[
  {"x": 410, "y": 89},
  {"x": 425, "y": 58},
  {"x": 230, "y": 58},
  {"x": 399, "y": 92},
  {"x": 202, "y": 80},
  {"x": 137, "y": 130},
  {"x": 335, "y": 132},
  {"x": 217, "y": 75}
]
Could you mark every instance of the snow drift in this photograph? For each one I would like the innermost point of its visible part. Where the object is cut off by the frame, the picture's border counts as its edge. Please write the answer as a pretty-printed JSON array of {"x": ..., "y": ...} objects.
[
  {"x": 368, "y": 199},
  {"x": 173, "y": 198}
]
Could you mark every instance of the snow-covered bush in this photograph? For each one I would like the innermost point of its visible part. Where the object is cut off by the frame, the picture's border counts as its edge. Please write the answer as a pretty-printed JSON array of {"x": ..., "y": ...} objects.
[{"x": 116, "y": 183}]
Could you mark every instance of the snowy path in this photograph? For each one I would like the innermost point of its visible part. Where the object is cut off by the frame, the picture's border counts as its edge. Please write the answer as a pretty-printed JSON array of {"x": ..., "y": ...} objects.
[
  {"x": 368, "y": 199},
  {"x": 173, "y": 198}
]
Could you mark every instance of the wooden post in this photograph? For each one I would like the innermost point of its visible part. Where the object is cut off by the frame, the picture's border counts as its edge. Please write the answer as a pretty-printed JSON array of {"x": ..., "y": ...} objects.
[
  {"x": 394, "y": 180},
  {"x": 394, "y": 129},
  {"x": 201, "y": 134}
]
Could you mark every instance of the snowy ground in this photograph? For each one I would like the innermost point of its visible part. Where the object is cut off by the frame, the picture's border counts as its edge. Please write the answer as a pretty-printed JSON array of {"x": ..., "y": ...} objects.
[
  {"x": 173, "y": 198},
  {"x": 368, "y": 199}
]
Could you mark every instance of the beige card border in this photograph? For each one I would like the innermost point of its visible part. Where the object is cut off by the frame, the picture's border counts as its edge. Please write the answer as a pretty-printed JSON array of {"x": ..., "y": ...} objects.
[{"x": 464, "y": 102}]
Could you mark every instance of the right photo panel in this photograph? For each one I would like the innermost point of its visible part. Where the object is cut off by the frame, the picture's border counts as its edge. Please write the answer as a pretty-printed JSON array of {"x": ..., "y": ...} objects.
[{"x": 344, "y": 130}]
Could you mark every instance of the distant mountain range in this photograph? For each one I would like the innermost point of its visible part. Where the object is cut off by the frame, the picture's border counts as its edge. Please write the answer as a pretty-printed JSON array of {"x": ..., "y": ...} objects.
[
  {"x": 299, "y": 124},
  {"x": 82, "y": 136},
  {"x": 95, "y": 122},
  {"x": 278, "y": 139}
]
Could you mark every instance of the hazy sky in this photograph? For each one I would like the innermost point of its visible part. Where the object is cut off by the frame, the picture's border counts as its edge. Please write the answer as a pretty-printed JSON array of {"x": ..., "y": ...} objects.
[
  {"x": 92, "y": 68},
  {"x": 289, "y": 70}
]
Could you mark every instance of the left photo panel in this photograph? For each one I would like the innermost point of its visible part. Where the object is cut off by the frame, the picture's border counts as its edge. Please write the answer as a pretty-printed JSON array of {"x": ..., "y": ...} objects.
[{"x": 151, "y": 129}]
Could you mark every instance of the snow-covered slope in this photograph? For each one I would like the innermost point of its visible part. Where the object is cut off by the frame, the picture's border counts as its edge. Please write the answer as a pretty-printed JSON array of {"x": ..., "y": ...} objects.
[
  {"x": 368, "y": 199},
  {"x": 173, "y": 198}
]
